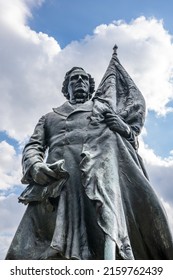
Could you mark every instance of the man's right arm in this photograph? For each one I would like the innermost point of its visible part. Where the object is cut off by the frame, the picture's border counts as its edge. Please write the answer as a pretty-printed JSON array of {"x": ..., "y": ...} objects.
[{"x": 34, "y": 152}]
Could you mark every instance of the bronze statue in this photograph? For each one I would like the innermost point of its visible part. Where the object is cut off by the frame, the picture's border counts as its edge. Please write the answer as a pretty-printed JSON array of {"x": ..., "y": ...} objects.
[{"x": 90, "y": 198}]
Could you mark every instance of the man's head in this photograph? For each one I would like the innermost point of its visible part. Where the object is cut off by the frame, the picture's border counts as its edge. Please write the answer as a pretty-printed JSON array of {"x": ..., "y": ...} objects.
[{"x": 78, "y": 85}]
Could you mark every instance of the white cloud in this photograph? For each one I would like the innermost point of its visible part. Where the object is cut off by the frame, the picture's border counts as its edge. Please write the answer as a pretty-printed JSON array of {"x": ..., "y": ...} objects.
[
  {"x": 10, "y": 171},
  {"x": 160, "y": 171},
  {"x": 15, "y": 13},
  {"x": 10, "y": 216},
  {"x": 26, "y": 71},
  {"x": 147, "y": 52}
]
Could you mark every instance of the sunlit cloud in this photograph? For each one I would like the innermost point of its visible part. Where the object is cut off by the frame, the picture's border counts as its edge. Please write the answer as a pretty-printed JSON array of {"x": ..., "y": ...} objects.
[{"x": 9, "y": 166}]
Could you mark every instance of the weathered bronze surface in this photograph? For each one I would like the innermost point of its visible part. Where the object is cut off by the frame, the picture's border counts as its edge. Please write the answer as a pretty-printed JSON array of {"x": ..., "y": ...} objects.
[{"x": 91, "y": 199}]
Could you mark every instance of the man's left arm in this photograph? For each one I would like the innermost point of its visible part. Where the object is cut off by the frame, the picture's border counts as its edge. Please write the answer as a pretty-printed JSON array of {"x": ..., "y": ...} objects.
[{"x": 117, "y": 124}]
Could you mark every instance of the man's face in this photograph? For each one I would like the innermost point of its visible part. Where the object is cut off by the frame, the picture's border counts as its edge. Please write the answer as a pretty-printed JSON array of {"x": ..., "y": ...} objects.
[{"x": 78, "y": 87}]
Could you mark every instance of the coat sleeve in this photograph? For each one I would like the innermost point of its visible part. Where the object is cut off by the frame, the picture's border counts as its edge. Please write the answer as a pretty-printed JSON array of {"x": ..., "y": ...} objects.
[{"x": 34, "y": 151}]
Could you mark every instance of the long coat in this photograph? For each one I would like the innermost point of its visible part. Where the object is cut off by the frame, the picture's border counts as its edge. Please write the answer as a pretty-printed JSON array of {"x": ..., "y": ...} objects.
[
  {"x": 79, "y": 222},
  {"x": 71, "y": 227}
]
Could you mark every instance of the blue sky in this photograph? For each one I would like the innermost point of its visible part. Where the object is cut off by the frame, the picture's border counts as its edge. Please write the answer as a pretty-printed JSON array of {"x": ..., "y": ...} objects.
[
  {"x": 160, "y": 134},
  {"x": 41, "y": 40},
  {"x": 72, "y": 20}
]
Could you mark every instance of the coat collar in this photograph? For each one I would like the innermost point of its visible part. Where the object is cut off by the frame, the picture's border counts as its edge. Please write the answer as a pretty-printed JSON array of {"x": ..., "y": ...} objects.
[{"x": 66, "y": 109}]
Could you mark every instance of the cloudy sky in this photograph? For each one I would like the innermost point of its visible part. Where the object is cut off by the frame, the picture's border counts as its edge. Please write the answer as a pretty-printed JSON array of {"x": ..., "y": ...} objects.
[{"x": 40, "y": 40}]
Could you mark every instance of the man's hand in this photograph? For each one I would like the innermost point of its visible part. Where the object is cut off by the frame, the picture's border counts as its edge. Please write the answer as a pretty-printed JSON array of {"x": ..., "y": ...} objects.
[
  {"x": 116, "y": 124},
  {"x": 41, "y": 173}
]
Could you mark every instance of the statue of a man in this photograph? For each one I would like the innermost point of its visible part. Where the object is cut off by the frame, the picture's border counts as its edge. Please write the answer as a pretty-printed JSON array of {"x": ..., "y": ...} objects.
[{"x": 106, "y": 208}]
